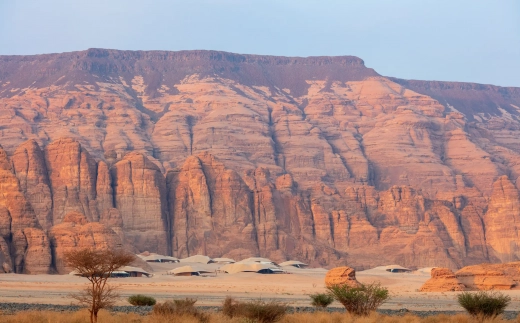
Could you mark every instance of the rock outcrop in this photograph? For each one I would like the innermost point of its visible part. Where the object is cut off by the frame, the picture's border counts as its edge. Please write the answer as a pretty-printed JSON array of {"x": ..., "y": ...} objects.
[
  {"x": 319, "y": 159},
  {"x": 490, "y": 276},
  {"x": 442, "y": 280},
  {"x": 504, "y": 276},
  {"x": 341, "y": 276}
]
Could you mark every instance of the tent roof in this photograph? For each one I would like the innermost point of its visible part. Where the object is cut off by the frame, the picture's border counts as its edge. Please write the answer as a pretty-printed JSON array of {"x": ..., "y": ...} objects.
[
  {"x": 246, "y": 267},
  {"x": 256, "y": 259},
  {"x": 159, "y": 257},
  {"x": 197, "y": 258},
  {"x": 189, "y": 269},
  {"x": 397, "y": 267},
  {"x": 133, "y": 269},
  {"x": 292, "y": 263},
  {"x": 224, "y": 260}
]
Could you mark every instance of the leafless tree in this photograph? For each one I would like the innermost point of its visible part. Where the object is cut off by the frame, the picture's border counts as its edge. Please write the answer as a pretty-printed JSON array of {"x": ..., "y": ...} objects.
[{"x": 97, "y": 266}]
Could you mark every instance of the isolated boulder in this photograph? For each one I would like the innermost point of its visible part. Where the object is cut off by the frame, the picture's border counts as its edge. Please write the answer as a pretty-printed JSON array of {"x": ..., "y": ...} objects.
[{"x": 341, "y": 276}]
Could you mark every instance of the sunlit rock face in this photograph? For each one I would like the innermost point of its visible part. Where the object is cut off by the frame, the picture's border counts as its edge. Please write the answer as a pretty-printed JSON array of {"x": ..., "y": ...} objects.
[{"x": 199, "y": 152}]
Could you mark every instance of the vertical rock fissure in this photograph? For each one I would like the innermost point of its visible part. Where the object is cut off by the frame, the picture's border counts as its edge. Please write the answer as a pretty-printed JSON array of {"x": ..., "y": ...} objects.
[{"x": 190, "y": 121}]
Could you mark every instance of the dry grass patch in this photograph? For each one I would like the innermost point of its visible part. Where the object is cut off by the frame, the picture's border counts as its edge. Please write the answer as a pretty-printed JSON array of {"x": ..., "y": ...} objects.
[{"x": 83, "y": 316}]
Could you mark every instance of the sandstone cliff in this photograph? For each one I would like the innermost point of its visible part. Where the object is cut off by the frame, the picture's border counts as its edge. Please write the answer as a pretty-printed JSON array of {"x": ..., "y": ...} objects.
[{"x": 319, "y": 159}]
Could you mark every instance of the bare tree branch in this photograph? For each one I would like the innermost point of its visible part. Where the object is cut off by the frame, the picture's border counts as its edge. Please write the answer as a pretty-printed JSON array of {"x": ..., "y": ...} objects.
[{"x": 97, "y": 266}]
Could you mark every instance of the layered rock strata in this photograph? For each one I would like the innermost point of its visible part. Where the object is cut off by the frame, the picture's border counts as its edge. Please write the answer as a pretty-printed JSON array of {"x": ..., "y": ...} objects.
[{"x": 319, "y": 159}]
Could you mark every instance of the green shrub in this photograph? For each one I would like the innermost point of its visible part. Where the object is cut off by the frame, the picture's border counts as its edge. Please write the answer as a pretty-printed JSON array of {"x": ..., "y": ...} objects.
[
  {"x": 321, "y": 300},
  {"x": 254, "y": 311},
  {"x": 179, "y": 308},
  {"x": 360, "y": 300},
  {"x": 484, "y": 305},
  {"x": 141, "y": 300}
]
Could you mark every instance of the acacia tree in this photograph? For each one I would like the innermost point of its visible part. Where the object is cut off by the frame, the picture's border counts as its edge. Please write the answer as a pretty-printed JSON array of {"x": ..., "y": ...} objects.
[{"x": 97, "y": 266}]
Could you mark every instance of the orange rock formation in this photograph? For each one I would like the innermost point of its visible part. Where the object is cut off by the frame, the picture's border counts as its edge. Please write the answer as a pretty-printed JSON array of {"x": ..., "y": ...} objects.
[
  {"x": 443, "y": 280},
  {"x": 477, "y": 277},
  {"x": 318, "y": 158},
  {"x": 341, "y": 276}
]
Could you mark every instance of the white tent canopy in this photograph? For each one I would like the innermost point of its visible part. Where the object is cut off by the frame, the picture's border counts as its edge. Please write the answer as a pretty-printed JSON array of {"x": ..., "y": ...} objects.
[
  {"x": 188, "y": 269},
  {"x": 294, "y": 263},
  {"x": 247, "y": 267},
  {"x": 197, "y": 258}
]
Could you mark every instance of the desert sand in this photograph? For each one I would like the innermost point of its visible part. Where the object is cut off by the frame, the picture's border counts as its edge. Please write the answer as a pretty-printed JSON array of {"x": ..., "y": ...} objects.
[{"x": 292, "y": 288}]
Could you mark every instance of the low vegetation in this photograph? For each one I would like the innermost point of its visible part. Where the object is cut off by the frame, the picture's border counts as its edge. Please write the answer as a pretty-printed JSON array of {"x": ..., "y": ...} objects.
[
  {"x": 141, "y": 300},
  {"x": 255, "y": 311},
  {"x": 361, "y": 300},
  {"x": 83, "y": 316},
  {"x": 321, "y": 300},
  {"x": 484, "y": 304},
  {"x": 178, "y": 309}
]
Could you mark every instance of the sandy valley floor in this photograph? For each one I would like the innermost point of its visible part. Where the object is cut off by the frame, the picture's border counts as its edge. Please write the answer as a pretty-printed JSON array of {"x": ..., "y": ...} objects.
[{"x": 292, "y": 288}]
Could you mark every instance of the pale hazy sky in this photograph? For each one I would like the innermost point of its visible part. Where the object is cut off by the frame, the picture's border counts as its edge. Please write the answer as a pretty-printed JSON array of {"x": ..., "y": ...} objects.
[{"x": 451, "y": 40}]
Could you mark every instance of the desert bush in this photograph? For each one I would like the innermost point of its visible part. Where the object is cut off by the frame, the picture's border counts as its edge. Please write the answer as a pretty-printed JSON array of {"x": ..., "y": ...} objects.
[
  {"x": 321, "y": 300},
  {"x": 484, "y": 305},
  {"x": 141, "y": 300},
  {"x": 254, "y": 311},
  {"x": 230, "y": 307},
  {"x": 178, "y": 308},
  {"x": 360, "y": 300}
]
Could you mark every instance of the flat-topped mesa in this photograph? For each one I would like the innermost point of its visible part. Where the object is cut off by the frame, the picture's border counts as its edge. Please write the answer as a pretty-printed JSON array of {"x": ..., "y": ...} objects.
[{"x": 171, "y": 67}]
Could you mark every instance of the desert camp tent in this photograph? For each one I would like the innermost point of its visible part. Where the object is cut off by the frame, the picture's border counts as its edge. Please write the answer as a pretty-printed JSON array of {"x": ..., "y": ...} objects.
[
  {"x": 397, "y": 269},
  {"x": 294, "y": 263},
  {"x": 135, "y": 271},
  {"x": 254, "y": 267},
  {"x": 188, "y": 271},
  {"x": 223, "y": 260},
  {"x": 257, "y": 259},
  {"x": 126, "y": 271},
  {"x": 198, "y": 258},
  {"x": 159, "y": 258}
]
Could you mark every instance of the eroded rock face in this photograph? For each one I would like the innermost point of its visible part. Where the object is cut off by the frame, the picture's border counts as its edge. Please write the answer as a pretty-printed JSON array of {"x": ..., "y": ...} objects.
[
  {"x": 341, "y": 276},
  {"x": 30, "y": 168},
  {"x": 502, "y": 221},
  {"x": 75, "y": 232},
  {"x": 72, "y": 174},
  {"x": 140, "y": 197},
  {"x": 319, "y": 159},
  {"x": 24, "y": 247}
]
